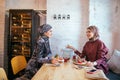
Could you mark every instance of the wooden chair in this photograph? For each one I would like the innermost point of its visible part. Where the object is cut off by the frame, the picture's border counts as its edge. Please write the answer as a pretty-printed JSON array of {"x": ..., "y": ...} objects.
[
  {"x": 18, "y": 64},
  {"x": 3, "y": 75}
]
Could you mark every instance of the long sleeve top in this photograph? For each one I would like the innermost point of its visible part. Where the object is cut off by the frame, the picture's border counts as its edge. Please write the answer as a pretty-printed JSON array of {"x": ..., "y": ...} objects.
[
  {"x": 42, "y": 51},
  {"x": 41, "y": 54},
  {"x": 95, "y": 51}
]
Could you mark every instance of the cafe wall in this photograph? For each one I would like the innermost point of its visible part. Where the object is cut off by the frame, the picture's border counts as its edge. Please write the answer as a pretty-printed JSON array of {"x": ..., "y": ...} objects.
[
  {"x": 69, "y": 19},
  {"x": 104, "y": 14},
  {"x": 26, "y": 4},
  {"x": 2, "y": 28},
  {"x": 75, "y": 16}
]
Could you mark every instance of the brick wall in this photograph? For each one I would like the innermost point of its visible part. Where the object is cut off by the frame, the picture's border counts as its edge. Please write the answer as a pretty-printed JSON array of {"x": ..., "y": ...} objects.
[{"x": 2, "y": 27}]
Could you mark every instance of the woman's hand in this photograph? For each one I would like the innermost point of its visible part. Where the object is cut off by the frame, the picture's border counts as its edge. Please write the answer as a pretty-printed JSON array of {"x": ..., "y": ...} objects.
[
  {"x": 54, "y": 61},
  {"x": 70, "y": 47},
  {"x": 90, "y": 64},
  {"x": 83, "y": 60}
]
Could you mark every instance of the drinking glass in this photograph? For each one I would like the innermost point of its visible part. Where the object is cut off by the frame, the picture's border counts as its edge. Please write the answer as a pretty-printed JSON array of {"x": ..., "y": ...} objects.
[{"x": 67, "y": 54}]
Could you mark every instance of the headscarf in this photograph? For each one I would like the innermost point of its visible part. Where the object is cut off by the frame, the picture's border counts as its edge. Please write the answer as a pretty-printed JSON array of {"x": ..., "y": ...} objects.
[
  {"x": 94, "y": 29},
  {"x": 44, "y": 28}
]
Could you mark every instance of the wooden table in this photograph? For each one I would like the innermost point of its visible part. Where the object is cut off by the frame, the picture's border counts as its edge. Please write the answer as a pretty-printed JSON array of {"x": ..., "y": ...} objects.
[{"x": 66, "y": 71}]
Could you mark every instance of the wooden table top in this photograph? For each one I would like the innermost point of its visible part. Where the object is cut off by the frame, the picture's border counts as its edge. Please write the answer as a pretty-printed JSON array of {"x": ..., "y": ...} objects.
[{"x": 66, "y": 71}]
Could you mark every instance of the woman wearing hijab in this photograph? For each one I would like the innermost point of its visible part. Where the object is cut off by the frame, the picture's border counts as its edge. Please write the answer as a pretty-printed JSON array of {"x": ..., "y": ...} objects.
[
  {"x": 94, "y": 50},
  {"x": 42, "y": 53}
]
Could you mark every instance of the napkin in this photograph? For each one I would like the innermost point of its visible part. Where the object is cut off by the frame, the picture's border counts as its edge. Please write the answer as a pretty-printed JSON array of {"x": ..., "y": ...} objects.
[{"x": 96, "y": 74}]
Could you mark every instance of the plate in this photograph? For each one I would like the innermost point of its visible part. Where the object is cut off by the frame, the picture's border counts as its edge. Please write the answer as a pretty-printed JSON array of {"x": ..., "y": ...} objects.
[
  {"x": 61, "y": 60},
  {"x": 56, "y": 64},
  {"x": 81, "y": 63}
]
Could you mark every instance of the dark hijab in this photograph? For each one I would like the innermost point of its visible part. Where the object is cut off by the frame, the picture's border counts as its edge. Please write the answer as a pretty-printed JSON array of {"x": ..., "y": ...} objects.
[{"x": 44, "y": 28}]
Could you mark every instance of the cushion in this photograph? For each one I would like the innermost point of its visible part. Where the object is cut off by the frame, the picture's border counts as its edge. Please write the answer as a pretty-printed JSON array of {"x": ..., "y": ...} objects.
[{"x": 114, "y": 62}]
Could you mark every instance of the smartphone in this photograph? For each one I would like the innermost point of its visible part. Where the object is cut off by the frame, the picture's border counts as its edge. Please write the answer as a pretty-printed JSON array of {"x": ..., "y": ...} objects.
[{"x": 91, "y": 71}]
